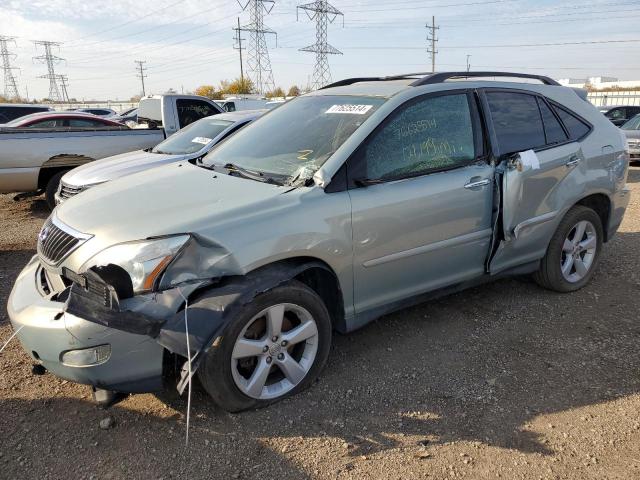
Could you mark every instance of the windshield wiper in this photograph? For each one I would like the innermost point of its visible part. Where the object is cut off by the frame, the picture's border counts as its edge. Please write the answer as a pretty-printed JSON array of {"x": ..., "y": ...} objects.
[{"x": 250, "y": 174}]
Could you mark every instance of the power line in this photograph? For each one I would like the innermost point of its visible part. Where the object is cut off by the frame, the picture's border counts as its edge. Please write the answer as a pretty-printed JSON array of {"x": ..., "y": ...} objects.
[
  {"x": 432, "y": 39},
  {"x": 258, "y": 61},
  {"x": 323, "y": 13},
  {"x": 10, "y": 85},
  {"x": 51, "y": 60},
  {"x": 141, "y": 74}
]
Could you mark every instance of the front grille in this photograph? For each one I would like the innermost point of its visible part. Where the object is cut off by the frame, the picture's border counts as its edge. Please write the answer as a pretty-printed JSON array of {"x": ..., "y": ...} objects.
[
  {"x": 56, "y": 242},
  {"x": 68, "y": 191}
]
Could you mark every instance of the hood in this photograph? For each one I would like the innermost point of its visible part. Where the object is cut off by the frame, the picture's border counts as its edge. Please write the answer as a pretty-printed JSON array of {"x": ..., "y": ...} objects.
[
  {"x": 631, "y": 133},
  {"x": 117, "y": 166},
  {"x": 176, "y": 198}
]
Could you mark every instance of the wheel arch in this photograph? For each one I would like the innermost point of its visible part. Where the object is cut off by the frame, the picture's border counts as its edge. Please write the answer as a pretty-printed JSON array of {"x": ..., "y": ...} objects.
[{"x": 601, "y": 204}]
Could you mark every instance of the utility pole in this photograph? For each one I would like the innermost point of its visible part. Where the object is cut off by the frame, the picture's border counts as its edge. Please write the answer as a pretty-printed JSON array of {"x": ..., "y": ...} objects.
[
  {"x": 63, "y": 85},
  {"x": 323, "y": 13},
  {"x": 432, "y": 39},
  {"x": 51, "y": 60},
  {"x": 468, "y": 64},
  {"x": 238, "y": 46},
  {"x": 10, "y": 85},
  {"x": 141, "y": 74},
  {"x": 258, "y": 54}
]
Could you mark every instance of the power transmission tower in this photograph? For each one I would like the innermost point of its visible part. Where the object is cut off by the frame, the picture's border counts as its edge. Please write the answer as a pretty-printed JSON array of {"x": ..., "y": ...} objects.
[
  {"x": 432, "y": 39},
  {"x": 258, "y": 54},
  {"x": 10, "y": 85},
  {"x": 51, "y": 60},
  {"x": 141, "y": 74},
  {"x": 63, "y": 86},
  {"x": 323, "y": 13},
  {"x": 237, "y": 38}
]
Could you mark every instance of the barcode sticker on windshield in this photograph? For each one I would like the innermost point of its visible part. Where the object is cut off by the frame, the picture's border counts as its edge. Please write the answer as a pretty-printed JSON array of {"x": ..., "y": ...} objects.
[
  {"x": 348, "y": 108},
  {"x": 202, "y": 140}
]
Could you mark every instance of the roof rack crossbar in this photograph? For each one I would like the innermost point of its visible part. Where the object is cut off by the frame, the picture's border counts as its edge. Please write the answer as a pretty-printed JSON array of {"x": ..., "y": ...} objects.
[{"x": 441, "y": 77}]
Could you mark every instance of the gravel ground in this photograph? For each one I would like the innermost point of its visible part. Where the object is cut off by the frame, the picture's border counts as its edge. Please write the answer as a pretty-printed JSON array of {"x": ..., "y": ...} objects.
[{"x": 502, "y": 381}]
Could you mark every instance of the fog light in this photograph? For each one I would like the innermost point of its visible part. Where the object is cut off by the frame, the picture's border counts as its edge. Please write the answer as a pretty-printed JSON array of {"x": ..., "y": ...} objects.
[{"x": 87, "y": 356}]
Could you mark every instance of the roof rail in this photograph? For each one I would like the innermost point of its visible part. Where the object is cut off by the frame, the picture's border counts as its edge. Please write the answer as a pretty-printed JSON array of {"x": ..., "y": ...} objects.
[
  {"x": 350, "y": 81},
  {"x": 428, "y": 78},
  {"x": 441, "y": 77}
]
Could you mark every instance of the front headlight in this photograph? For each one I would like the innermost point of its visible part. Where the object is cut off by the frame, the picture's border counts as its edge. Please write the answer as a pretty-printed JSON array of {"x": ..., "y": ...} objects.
[{"x": 144, "y": 260}]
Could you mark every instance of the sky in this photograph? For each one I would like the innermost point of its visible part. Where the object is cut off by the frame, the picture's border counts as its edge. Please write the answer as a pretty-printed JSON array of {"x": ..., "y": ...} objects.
[{"x": 187, "y": 43}]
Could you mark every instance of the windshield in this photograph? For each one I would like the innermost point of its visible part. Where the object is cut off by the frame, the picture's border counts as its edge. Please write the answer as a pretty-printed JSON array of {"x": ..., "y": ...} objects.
[
  {"x": 633, "y": 124},
  {"x": 192, "y": 138},
  {"x": 295, "y": 139}
]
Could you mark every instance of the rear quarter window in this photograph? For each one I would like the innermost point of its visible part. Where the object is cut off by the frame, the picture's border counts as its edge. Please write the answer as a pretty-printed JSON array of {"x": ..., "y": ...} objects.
[{"x": 574, "y": 125}]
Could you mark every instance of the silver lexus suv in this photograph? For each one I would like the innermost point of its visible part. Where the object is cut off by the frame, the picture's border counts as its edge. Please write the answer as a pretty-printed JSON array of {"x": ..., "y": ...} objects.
[{"x": 338, "y": 207}]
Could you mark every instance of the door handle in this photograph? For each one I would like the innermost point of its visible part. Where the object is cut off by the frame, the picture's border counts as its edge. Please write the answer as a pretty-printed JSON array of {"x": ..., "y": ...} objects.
[
  {"x": 575, "y": 160},
  {"x": 479, "y": 183}
]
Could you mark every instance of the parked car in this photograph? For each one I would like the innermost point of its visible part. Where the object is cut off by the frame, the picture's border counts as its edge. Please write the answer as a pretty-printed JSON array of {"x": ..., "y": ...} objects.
[
  {"x": 619, "y": 114},
  {"x": 235, "y": 104},
  {"x": 100, "y": 112},
  {"x": 337, "y": 207},
  {"x": 58, "y": 120},
  {"x": 34, "y": 160},
  {"x": 631, "y": 130},
  {"x": 129, "y": 115},
  {"x": 11, "y": 111},
  {"x": 190, "y": 143}
]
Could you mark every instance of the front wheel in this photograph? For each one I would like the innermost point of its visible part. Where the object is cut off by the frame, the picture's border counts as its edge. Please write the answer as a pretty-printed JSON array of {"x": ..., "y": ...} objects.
[
  {"x": 274, "y": 348},
  {"x": 52, "y": 188},
  {"x": 573, "y": 252}
]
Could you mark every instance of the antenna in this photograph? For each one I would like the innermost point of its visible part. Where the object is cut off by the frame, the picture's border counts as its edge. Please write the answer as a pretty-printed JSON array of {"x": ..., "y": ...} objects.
[
  {"x": 10, "y": 85},
  {"x": 323, "y": 13},
  {"x": 258, "y": 61},
  {"x": 51, "y": 60}
]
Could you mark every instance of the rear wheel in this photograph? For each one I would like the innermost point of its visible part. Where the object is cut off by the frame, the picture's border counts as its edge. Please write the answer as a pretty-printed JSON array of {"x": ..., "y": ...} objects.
[
  {"x": 52, "y": 188},
  {"x": 573, "y": 252},
  {"x": 274, "y": 348}
]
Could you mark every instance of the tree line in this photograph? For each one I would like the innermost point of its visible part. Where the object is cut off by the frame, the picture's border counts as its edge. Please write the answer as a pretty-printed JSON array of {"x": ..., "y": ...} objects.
[{"x": 241, "y": 86}]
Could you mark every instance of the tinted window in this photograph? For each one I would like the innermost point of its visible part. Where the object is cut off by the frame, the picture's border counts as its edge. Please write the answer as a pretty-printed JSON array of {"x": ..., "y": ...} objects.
[
  {"x": 615, "y": 114},
  {"x": 43, "y": 124},
  {"x": 431, "y": 134},
  {"x": 191, "y": 110},
  {"x": 99, "y": 112},
  {"x": 633, "y": 124},
  {"x": 516, "y": 120},
  {"x": 576, "y": 127},
  {"x": 229, "y": 107},
  {"x": 9, "y": 113},
  {"x": 85, "y": 123},
  {"x": 553, "y": 131}
]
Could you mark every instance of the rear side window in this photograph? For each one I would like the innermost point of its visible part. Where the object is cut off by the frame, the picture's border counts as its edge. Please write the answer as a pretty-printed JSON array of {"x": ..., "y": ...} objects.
[
  {"x": 85, "y": 123},
  {"x": 191, "y": 110},
  {"x": 576, "y": 127},
  {"x": 552, "y": 128},
  {"x": 517, "y": 121}
]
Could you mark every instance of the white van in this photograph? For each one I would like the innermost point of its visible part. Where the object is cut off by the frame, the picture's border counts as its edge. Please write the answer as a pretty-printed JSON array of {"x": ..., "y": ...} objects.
[{"x": 235, "y": 104}]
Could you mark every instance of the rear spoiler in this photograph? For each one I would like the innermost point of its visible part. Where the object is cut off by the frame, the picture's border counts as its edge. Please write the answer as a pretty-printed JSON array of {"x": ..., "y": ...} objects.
[{"x": 582, "y": 93}]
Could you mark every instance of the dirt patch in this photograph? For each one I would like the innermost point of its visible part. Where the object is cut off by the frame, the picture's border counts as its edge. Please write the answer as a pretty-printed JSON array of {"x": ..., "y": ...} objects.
[{"x": 501, "y": 381}]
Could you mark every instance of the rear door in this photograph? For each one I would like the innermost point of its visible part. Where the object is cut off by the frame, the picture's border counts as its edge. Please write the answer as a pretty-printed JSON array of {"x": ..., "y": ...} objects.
[
  {"x": 421, "y": 194},
  {"x": 536, "y": 155}
]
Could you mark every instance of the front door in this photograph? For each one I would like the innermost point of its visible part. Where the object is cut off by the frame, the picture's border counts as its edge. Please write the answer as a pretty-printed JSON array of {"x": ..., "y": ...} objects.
[{"x": 422, "y": 201}]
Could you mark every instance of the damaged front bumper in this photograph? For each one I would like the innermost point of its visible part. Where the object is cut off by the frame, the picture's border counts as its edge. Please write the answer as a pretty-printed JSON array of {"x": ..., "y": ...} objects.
[{"x": 78, "y": 350}]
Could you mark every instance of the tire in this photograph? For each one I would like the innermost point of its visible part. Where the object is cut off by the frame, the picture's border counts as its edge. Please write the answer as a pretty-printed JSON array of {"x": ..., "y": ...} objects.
[
  {"x": 52, "y": 188},
  {"x": 553, "y": 273},
  {"x": 228, "y": 380}
]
